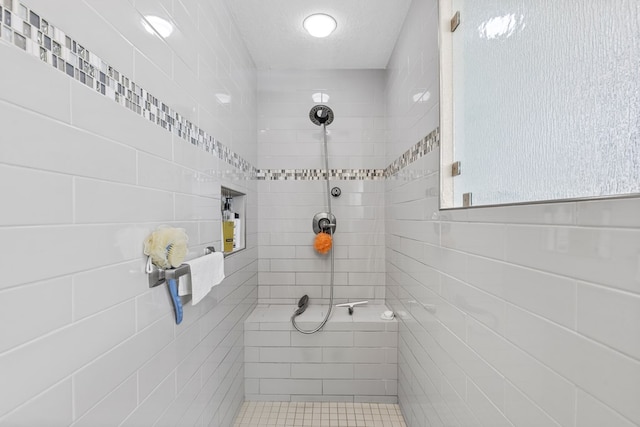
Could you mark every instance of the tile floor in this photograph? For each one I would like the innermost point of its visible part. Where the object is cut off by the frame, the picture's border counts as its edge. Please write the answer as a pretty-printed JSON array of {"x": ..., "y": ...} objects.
[{"x": 319, "y": 414}]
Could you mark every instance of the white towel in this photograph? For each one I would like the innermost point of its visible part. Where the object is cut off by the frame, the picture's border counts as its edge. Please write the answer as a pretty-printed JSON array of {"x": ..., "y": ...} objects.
[{"x": 206, "y": 272}]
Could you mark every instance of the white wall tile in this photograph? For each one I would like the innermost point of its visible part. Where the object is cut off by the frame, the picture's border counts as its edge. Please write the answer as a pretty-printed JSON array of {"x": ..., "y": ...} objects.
[
  {"x": 104, "y": 202},
  {"x": 39, "y": 79},
  {"x": 360, "y": 387},
  {"x": 130, "y": 131},
  {"x": 522, "y": 411},
  {"x": 602, "y": 372},
  {"x": 33, "y": 197},
  {"x": 477, "y": 304},
  {"x": 114, "y": 408},
  {"x": 71, "y": 254},
  {"x": 263, "y": 339},
  {"x": 97, "y": 379},
  {"x": 151, "y": 408},
  {"x": 152, "y": 306},
  {"x": 483, "y": 408},
  {"x": 94, "y": 32},
  {"x": 267, "y": 370},
  {"x": 98, "y": 334},
  {"x": 297, "y": 355},
  {"x": 552, "y": 392},
  {"x": 176, "y": 410},
  {"x": 52, "y": 407},
  {"x": 122, "y": 15},
  {"x": 155, "y": 80},
  {"x": 306, "y": 386},
  {"x": 591, "y": 413},
  {"x": 323, "y": 370},
  {"x": 33, "y": 310},
  {"x": 609, "y": 213},
  {"x": 622, "y": 311},
  {"x": 102, "y": 288},
  {"x": 100, "y": 158},
  {"x": 606, "y": 256},
  {"x": 323, "y": 339}
]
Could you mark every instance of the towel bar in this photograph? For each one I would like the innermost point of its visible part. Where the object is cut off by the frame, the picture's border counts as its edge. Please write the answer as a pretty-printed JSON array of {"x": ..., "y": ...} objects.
[{"x": 158, "y": 276}]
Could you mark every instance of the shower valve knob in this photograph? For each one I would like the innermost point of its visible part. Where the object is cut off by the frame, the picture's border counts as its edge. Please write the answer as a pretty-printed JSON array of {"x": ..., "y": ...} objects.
[{"x": 336, "y": 192}]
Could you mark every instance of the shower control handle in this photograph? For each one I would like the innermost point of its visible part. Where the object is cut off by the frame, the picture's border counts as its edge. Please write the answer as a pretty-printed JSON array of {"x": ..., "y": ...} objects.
[{"x": 323, "y": 221}]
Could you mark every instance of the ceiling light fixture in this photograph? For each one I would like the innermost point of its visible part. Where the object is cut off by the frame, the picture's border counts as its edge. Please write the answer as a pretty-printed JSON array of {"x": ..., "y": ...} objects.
[
  {"x": 155, "y": 24},
  {"x": 319, "y": 24}
]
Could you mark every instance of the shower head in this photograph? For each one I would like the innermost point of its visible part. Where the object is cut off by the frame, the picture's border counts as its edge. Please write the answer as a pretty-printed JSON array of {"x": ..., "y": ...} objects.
[{"x": 321, "y": 115}]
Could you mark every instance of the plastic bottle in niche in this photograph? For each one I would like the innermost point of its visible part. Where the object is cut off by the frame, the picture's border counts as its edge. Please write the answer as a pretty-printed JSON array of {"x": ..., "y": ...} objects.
[
  {"x": 237, "y": 226},
  {"x": 227, "y": 213},
  {"x": 227, "y": 227}
]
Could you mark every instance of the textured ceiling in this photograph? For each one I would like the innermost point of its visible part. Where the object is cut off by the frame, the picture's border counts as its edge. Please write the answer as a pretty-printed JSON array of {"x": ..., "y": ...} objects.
[{"x": 366, "y": 34}]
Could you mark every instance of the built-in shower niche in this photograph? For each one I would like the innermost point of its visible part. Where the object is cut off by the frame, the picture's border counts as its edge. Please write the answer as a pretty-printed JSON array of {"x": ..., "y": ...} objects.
[{"x": 232, "y": 210}]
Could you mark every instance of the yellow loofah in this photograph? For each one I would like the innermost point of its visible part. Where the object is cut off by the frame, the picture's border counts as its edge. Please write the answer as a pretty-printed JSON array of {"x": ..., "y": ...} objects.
[{"x": 167, "y": 246}]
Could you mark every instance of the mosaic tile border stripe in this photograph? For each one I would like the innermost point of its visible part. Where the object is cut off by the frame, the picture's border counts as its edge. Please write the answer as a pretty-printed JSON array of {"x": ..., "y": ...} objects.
[
  {"x": 423, "y": 147},
  {"x": 35, "y": 35},
  {"x": 318, "y": 174}
]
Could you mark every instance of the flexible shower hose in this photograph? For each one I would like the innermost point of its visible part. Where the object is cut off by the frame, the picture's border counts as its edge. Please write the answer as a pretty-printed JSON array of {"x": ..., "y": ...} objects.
[{"x": 326, "y": 317}]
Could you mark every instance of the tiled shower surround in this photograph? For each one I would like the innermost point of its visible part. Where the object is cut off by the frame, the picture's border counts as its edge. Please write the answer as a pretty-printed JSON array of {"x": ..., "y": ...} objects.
[{"x": 516, "y": 316}]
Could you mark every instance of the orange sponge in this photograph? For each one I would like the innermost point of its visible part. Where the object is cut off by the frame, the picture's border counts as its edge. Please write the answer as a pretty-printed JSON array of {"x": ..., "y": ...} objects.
[{"x": 323, "y": 243}]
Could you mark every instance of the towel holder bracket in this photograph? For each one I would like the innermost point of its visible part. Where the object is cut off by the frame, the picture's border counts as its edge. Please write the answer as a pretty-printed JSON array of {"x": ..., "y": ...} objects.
[{"x": 159, "y": 276}]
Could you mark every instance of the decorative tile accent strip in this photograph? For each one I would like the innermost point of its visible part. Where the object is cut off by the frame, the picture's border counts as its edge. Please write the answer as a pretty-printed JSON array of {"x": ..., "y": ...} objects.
[
  {"x": 422, "y": 148},
  {"x": 36, "y": 36},
  {"x": 318, "y": 174}
]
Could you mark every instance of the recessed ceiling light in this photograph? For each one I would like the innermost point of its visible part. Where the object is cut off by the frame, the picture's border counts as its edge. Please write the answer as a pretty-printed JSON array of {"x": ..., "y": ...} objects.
[
  {"x": 319, "y": 25},
  {"x": 155, "y": 24}
]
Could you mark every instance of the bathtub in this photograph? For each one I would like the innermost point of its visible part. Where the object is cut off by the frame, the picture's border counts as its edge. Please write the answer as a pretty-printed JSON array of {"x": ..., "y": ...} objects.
[{"x": 353, "y": 359}]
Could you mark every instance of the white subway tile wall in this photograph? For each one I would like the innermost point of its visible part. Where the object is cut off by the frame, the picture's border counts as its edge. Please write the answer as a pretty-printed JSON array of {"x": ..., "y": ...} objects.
[
  {"x": 90, "y": 164},
  {"x": 289, "y": 265},
  {"x": 290, "y": 159},
  {"x": 521, "y": 315}
]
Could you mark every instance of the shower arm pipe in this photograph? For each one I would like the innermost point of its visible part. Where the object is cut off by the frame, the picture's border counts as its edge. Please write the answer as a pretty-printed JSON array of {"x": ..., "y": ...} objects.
[{"x": 326, "y": 167}]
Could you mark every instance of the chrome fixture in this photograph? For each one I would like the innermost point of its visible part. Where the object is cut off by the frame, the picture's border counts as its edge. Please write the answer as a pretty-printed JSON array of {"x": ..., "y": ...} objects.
[
  {"x": 321, "y": 115},
  {"x": 324, "y": 222}
]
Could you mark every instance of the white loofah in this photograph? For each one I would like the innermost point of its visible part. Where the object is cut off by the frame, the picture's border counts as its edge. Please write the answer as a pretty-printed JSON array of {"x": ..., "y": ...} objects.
[{"x": 167, "y": 246}]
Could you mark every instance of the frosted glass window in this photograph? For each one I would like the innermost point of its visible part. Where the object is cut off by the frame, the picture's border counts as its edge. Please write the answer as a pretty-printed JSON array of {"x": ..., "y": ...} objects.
[{"x": 545, "y": 99}]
